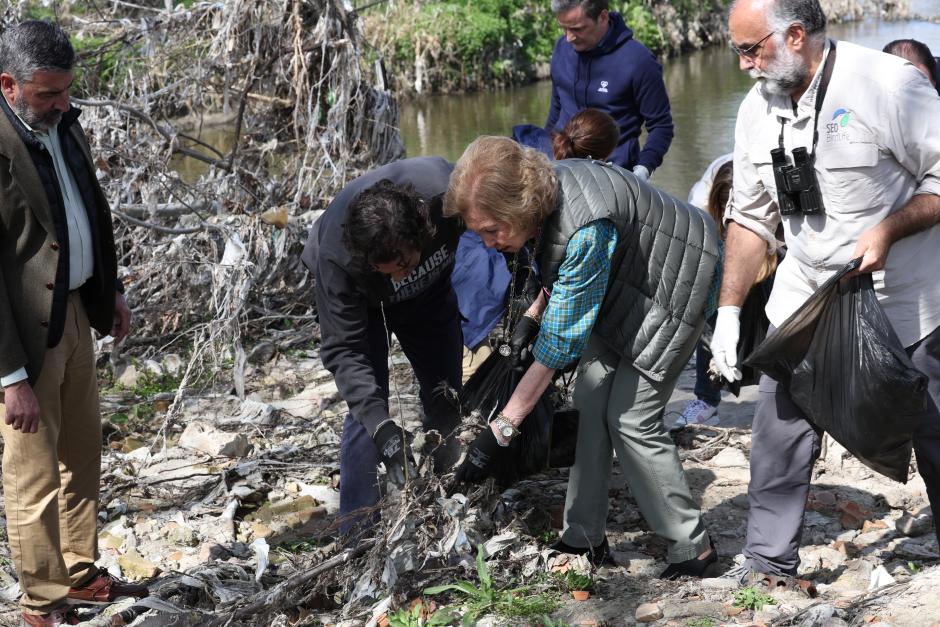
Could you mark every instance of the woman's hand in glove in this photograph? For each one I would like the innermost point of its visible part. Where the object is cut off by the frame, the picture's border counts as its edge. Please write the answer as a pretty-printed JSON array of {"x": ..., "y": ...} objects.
[
  {"x": 527, "y": 328},
  {"x": 482, "y": 457}
]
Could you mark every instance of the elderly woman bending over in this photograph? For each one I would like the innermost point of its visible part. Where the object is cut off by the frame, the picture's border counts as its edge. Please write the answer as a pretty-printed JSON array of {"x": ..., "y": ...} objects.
[{"x": 626, "y": 270}]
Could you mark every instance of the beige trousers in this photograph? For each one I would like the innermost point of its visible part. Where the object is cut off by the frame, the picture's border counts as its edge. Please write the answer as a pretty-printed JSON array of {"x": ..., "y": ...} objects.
[
  {"x": 50, "y": 478},
  {"x": 473, "y": 358}
]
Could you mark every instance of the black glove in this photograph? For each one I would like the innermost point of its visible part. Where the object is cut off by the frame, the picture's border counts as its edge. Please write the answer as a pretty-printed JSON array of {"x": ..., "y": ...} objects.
[
  {"x": 532, "y": 287},
  {"x": 482, "y": 458},
  {"x": 526, "y": 330},
  {"x": 395, "y": 452}
]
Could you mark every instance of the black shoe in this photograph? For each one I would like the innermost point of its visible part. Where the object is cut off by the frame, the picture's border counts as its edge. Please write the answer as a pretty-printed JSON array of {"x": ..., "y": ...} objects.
[
  {"x": 598, "y": 555},
  {"x": 694, "y": 567}
]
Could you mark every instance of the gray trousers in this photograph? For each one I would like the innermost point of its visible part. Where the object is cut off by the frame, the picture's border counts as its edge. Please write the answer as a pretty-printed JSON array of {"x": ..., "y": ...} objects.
[
  {"x": 622, "y": 410},
  {"x": 784, "y": 447}
]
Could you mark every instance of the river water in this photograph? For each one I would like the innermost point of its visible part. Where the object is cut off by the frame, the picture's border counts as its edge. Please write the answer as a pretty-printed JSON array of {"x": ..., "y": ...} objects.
[{"x": 705, "y": 88}]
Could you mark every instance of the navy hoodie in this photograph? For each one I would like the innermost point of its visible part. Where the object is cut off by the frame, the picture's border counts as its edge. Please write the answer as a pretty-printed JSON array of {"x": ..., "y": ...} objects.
[{"x": 622, "y": 78}]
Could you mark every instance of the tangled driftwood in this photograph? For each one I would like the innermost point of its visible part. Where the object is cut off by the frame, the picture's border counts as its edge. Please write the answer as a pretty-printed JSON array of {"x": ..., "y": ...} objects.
[{"x": 208, "y": 261}]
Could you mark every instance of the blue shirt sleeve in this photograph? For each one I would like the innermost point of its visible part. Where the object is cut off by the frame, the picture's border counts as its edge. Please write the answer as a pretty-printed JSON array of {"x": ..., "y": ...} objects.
[{"x": 577, "y": 295}]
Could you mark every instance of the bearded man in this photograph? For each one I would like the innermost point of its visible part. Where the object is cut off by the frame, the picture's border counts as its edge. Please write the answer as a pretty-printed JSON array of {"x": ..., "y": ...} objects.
[
  {"x": 58, "y": 281},
  {"x": 866, "y": 121}
]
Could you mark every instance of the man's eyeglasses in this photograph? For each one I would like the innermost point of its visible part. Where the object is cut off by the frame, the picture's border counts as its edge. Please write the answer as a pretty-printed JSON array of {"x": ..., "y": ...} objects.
[{"x": 751, "y": 51}]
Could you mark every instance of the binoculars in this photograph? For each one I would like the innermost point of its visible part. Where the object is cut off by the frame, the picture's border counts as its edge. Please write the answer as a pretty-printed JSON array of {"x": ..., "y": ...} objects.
[{"x": 797, "y": 186}]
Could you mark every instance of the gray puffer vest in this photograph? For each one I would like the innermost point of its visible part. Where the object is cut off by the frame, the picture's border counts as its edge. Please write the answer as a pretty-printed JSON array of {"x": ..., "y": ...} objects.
[{"x": 662, "y": 266}]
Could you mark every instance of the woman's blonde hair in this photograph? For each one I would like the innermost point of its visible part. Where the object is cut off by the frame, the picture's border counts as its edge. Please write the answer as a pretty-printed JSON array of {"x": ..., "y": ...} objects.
[{"x": 503, "y": 180}]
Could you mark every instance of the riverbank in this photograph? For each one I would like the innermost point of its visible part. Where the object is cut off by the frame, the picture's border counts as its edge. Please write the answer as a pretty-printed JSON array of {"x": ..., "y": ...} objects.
[
  {"x": 705, "y": 88},
  {"x": 228, "y": 512},
  {"x": 463, "y": 45}
]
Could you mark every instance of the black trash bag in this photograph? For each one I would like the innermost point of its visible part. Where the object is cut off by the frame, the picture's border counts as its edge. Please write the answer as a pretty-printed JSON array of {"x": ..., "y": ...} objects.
[
  {"x": 754, "y": 326},
  {"x": 487, "y": 392},
  {"x": 845, "y": 368},
  {"x": 563, "y": 438}
]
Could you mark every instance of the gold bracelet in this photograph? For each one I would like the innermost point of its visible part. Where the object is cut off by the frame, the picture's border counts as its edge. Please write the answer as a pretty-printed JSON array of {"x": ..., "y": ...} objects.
[{"x": 537, "y": 318}]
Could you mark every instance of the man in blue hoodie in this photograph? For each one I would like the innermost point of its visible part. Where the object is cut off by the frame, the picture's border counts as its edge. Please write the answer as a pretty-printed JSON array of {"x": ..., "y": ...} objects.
[{"x": 598, "y": 64}]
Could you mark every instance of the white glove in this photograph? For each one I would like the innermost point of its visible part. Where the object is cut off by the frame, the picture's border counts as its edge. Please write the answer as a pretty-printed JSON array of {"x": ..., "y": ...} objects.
[
  {"x": 641, "y": 172},
  {"x": 725, "y": 342}
]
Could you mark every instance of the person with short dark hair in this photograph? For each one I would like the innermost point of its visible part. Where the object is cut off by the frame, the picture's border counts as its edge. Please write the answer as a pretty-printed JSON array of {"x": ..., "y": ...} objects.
[
  {"x": 598, "y": 64},
  {"x": 58, "y": 281},
  {"x": 382, "y": 256},
  {"x": 861, "y": 127},
  {"x": 919, "y": 54}
]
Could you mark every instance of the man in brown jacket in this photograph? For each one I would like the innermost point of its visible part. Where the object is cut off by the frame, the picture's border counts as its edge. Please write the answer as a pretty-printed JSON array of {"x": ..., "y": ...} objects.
[{"x": 58, "y": 280}]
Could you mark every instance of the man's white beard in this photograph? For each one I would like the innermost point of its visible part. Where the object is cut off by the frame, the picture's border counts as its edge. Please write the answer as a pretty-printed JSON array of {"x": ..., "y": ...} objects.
[{"x": 783, "y": 73}]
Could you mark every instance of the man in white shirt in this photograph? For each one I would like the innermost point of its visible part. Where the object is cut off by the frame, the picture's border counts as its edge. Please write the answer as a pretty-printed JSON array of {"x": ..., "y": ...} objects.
[{"x": 877, "y": 161}]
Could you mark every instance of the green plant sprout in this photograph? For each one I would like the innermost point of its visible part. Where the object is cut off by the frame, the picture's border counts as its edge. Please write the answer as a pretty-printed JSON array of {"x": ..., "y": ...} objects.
[
  {"x": 488, "y": 598},
  {"x": 751, "y": 598}
]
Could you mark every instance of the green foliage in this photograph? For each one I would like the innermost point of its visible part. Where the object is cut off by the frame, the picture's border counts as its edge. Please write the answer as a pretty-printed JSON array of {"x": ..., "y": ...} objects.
[
  {"x": 690, "y": 8},
  {"x": 467, "y": 44},
  {"x": 751, "y": 598},
  {"x": 140, "y": 414},
  {"x": 37, "y": 11},
  {"x": 486, "y": 593},
  {"x": 105, "y": 63},
  {"x": 548, "y": 536},
  {"x": 534, "y": 29},
  {"x": 463, "y": 43},
  {"x": 413, "y": 617},
  {"x": 150, "y": 383},
  {"x": 405, "y": 617},
  {"x": 645, "y": 29},
  {"x": 537, "y": 605},
  {"x": 579, "y": 581},
  {"x": 487, "y": 598},
  {"x": 914, "y": 567},
  {"x": 703, "y": 621}
]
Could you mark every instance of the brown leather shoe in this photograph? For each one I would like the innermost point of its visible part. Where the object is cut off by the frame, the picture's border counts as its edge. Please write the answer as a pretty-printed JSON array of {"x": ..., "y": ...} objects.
[
  {"x": 58, "y": 616},
  {"x": 104, "y": 589}
]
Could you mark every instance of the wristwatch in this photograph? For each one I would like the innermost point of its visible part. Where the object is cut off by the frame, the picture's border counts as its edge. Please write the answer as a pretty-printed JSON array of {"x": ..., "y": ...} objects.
[{"x": 506, "y": 429}]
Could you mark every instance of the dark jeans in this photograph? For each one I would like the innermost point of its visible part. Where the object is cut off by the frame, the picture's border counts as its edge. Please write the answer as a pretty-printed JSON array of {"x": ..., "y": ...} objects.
[
  {"x": 784, "y": 447},
  {"x": 428, "y": 329},
  {"x": 705, "y": 390}
]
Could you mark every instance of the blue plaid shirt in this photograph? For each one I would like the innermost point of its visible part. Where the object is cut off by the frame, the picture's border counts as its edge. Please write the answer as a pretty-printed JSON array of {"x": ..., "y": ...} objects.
[{"x": 577, "y": 295}]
